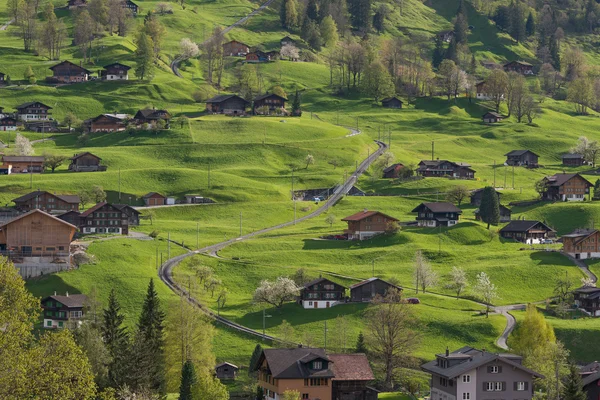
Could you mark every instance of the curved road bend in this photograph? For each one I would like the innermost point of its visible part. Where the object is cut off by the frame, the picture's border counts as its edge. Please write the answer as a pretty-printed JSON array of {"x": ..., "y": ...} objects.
[
  {"x": 177, "y": 60},
  {"x": 166, "y": 269}
]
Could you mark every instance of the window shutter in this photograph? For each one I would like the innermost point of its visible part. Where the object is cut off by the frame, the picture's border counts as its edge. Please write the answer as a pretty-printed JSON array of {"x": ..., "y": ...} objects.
[
  {"x": 504, "y": 386},
  {"x": 489, "y": 369},
  {"x": 500, "y": 369},
  {"x": 485, "y": 387},
  {"x": 515, "y": 385},
  {"x": 526, "y": 385}
]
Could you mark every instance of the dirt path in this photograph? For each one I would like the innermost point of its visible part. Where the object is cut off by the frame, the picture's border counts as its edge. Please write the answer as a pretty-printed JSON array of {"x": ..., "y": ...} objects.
[
  {"x": 166, "y": 269},
  {"x": 5, "y": 26},
  {"x": 175, "y": 63}
]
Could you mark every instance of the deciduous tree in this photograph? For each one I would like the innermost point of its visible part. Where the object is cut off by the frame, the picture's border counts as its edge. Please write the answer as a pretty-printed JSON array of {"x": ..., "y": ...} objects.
[
  {"x": 458, "y": 280},
  {"x": 23, "y": 146},
  {"x": 485, "y": 290},
  {"x": 53, "y": 161},
  {"x": 377, "y": 82},
  {"x": 423, "y": 273},
  {"x": 589, "y": 149},
  {"x": 457, "y": 194},
  {"x": 277, "y": 292},
  {"x": 496, "y": 86}
]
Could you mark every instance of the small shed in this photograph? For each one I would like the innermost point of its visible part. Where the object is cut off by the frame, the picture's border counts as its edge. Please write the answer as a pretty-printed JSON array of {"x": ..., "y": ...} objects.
[
  {"x": 492, "y": 117},
  {"x": 154, "y": 199},
  {"x": 226, "y": 370},
  {"x": 392, "y": 102},
  {"x": 368, "y": 289},
  {"x": 569, "y": 159},
  {"x": 393, "y": 171}
]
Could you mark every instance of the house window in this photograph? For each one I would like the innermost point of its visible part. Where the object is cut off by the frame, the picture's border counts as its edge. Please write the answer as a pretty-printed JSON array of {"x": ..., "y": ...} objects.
[
  {"x": 304, "y": 395},
  {"x": 60, "y": 324},
  {"x": 498, "y": 386},
  {"x": 466, "y": 378},
  {"x": 494, "y": 369},
  {"x": 520, "y": 386},
  {"x": 310, "y": 303},
  {"x": 317, "y": 365},
  {"x": 49, "y": 323},
  {"x": 489, "y": 386},
  {"x": 466, "y": 396}
]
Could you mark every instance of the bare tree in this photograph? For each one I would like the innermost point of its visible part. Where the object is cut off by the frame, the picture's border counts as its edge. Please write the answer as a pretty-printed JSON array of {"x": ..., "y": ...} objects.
[
  {"x": 391, "y": 333},
  {"x": 27, "y": 22},
  {"x": 457, "y": 194},
  {"x": 424, "y": 275},
  {"x": 486, "y": 290},
  {"x": 458, "y": 280}
]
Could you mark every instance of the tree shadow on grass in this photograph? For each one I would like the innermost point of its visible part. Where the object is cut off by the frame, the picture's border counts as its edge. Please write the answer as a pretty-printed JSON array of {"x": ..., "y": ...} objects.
[
  {"x": 550, "y": 258},
  {"x": 46, "y": 285},
  {"x": 376, "y": 242}
]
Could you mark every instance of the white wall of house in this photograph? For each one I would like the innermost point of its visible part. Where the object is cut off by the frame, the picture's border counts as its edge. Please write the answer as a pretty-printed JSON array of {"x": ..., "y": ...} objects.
[
  {"x": 467, "y": 383},
  {"x": 53, "y": 324},
  {"x": 427, "y": 223},
  {"x": 102, "y": 229},
  {"x": 117, "y": 77},
  {"x": 319, "y": 303},
  {"x": 585, "y": 256},
  {"x": 483, "y": 96},
  {"x": 437, "y": 394},
  {"x": 573, "y": 197},
  {"x": 8, "y": 128},
  {"x": 33, "y": 117}
]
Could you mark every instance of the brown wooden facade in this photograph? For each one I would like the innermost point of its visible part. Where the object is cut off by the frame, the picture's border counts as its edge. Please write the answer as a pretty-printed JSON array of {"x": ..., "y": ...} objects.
[
  {"x": 36, "y": 234},
  {"x": 46, "y": 201},
  {"x": 367, "y": 290},
  {"x": 67, "y": 72},
  {"x": 86, "y": 162},
  {"x": 573, "y": 160},
  {"x": 154, "y": 199},
  {"x": 321, "y": 293},
  {"x": 33, "y": 111},
  {"x": 582, "y": 243},
  {"x": 269, "y": 103},
  {"x": 106, "y": 123},
  {"x": 23, "y": 164},
  {"x": 366, "y": 224},
  {"x": 104, "y": 218},
  {"x": 235, "y": 48},
  {"x": 445, "y": 169},
  {"x": 229, "y": 104},
  {"x": 566, "y": 187},
  {"x": 520, "y": 67}
]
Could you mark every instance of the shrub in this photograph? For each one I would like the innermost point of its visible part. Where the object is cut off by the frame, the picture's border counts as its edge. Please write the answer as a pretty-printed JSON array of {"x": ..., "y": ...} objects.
[{"x": 154, "y": 234}]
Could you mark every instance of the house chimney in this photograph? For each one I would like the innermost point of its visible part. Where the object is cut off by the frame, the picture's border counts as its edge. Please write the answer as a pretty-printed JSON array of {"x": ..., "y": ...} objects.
[
  {"x": 67, "y": 294},
  {"x": 365, "y": 210},
  {"x": 80, "y": 63},
  {"x": 299, "y": 345},
  {"x": 447, "y": 351},
  {"x": 55, "y": 292}
]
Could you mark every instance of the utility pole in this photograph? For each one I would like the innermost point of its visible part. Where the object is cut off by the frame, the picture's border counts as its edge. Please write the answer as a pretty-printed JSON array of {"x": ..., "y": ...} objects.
[
  {"x": 119, "y": 183},
  {"x": 294, "y": 211},
  {"x": 504, "y": 177},
  {"x": 157, "y": 265},
  {"x": 513, "y": 176},
  {"x": 197, "y": 234},
  {"x": 265, "y": 316},
  {"x": 325, "y": 347},
  {"x": 208, "y": 175},
  {"x": 293, "y": 197},
  {"x": 30, "y": 178},
  {"x": 373, "y": 268},
  {"x": 240, "y": 223},
  {"x": 432, "y": 150},
  {"x": 169, "y": 245},
  {"x": 494, "y": 174},
  {"x": 440, "y": 241}
]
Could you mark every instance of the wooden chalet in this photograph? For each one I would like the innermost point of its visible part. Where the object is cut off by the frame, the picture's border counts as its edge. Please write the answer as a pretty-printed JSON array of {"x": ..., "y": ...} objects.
[
  {"x": 46, "y": 201},
  {"x": 133, "y": 215},
  {"x": 8, "y": 124},
  {"x": 269, "y": 103},
  {"x": 481, "y": 91},
  {"x": 151, "y": 116},
  {"x": 393, "y": 171},
  {"x": 582, "y": 244},
  {"x": 258, "y": 57},
  {"x": 520, "y": 67},
  {"x": 437, "y": 214},
  {"x": 314, "y": 374},
  {"x": 477, "y": 195},
  {"x": 235, "y": 49},
  {"x": 446, "y": 36},
  {"x": 76, "y": 3},
  {"x": 229, "y": 104},
  {"x": 505, "y": 214},
  {"x": 321, "y": 293},
  {"x": 131, "y": 6},
  {"x": 36, "y": 234},
  {"x": 366, "y": 224},
  {"x": 366, "y": 290},
  {"x": 115, "y": 71},
  {"x": 587, "y": 299},
  {"x": 62, "y": 311},
  {"x": 2, "y": 114},
  {"x": 22, "y": 164},
  {"x": 86, "y": 162},
  {"x": 492, "y": 117},
  {"x": 226, "y": 371},
  {"x": 566, "y": 187},
  {"x": 525, "y": 158},
  {"x": 71, "y": 217},
  {"x": 104, "y": 218},
  {"x": 573, "y": 160},
  {"x": 154, "y": 199},
  {"x": 67, "y": 72},
  {"x": 392, "y": 102},
  {"x": 529, "y": 232},
  {"x": 106, "y": 123},
  {"x": 590, "y": 376},
  {"x": 445, "y": 169},
  {"x": 2, "y": 78},
  {"x": 33, "y": 111},
  {"x": 287, "y": 41}
]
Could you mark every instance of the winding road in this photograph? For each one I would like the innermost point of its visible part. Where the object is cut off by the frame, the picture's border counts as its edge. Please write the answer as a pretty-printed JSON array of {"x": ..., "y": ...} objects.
[
  {"x": 175, "y": 63},
  {"x": 165, "y": 271}
]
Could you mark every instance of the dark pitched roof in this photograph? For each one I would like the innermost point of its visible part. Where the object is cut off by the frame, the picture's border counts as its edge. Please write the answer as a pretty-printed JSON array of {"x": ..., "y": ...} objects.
[
  {"x": 561, "y": 179},
  {"x": 519, "y": 62},
  {"x": 591, "y": 377},
  {"x": 319, "y": 280},
  {"x": 70, "y": 65},
  {"x": 32, "y": 103},
  {"x": 291, "y": 363},
  {"x": 473, "y": 358},
  {"x": 351, "y": 367},
  {"x": 226, "y": 364},
  {"x": 152, "y": 113},
  {"x": 439, "y": 207},
  {"x": 580, "y": 233},
  {"x": 76, "y": 156},
  {"x": 390, "y": 99},
  {"x": 126, "y": 67},
  {"x": 523, "y": 226},
  {"x": 98, "y": 206},
  {"x": 223, "y": 97},
  {"x": 126, "y": 208},
  {"x": 359, "y": 284},
  {"x": 36, "y": 211},
  {"x": 147, "y": 195},
  {"x": 236, "y": 41},
  {"x": 69, "y": 198},
  {"x": 70, "y": 300},
  {"x": 437, "y": 163},
  {"x": 264, "y": 96},
  {"x": 519, "y": 153},
  {"x": 23, "y": 158},
  {"x": 493, "y": 114},
  {"x": 393, "y": 167},
  {"x": 572, "y": 155},
  {"x": 359, "y": 216}
]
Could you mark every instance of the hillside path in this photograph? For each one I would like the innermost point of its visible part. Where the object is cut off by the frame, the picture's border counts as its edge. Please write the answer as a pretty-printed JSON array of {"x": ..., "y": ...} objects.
[
  {"x": 175, "y": 63},
  {"x": 166, "y": 269},
  {"x": 5, "y": 26}
]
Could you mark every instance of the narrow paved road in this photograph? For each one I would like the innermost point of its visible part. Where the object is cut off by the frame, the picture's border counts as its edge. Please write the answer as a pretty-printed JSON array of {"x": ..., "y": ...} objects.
[
  {"x": 166, "y": 269},
  {"x": 3, "y": 27},
  {"x": 175, "y": 63}
]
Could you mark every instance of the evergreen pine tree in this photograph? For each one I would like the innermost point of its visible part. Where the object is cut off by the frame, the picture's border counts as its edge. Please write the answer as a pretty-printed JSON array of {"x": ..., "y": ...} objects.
[
  {"x": 573, "y": 388},
  {"x": 360, "y": 14},
  {"x": 188, "y": 380},
  {"x": 378, "y": 19},
  {"x": 144, "y": 57},
  {"x": 451, "y": 52},
  {"x": 597, "y": 190},
  {"x": 461, "y": 9},
  {"x": 530, "y": 25},
  {"x": 254, "y": 358},
  {"x": 361, "y": 347},
  {"x": 116, "y": 339},
  {"x": 149, "y": 343},
  {"x": 438, "y": 53},
  {"x": 312, "y": 10},
  {"x": 554, "y": 52},
  {"x": 282, "y": 14},
  {"x": 489, "y": 210},
  {"x": 296, "y": 111},
  {"x": 473, "y": 65},
  {"x": 461, "y": 29},
  {"x": 517, "y": 21}
]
